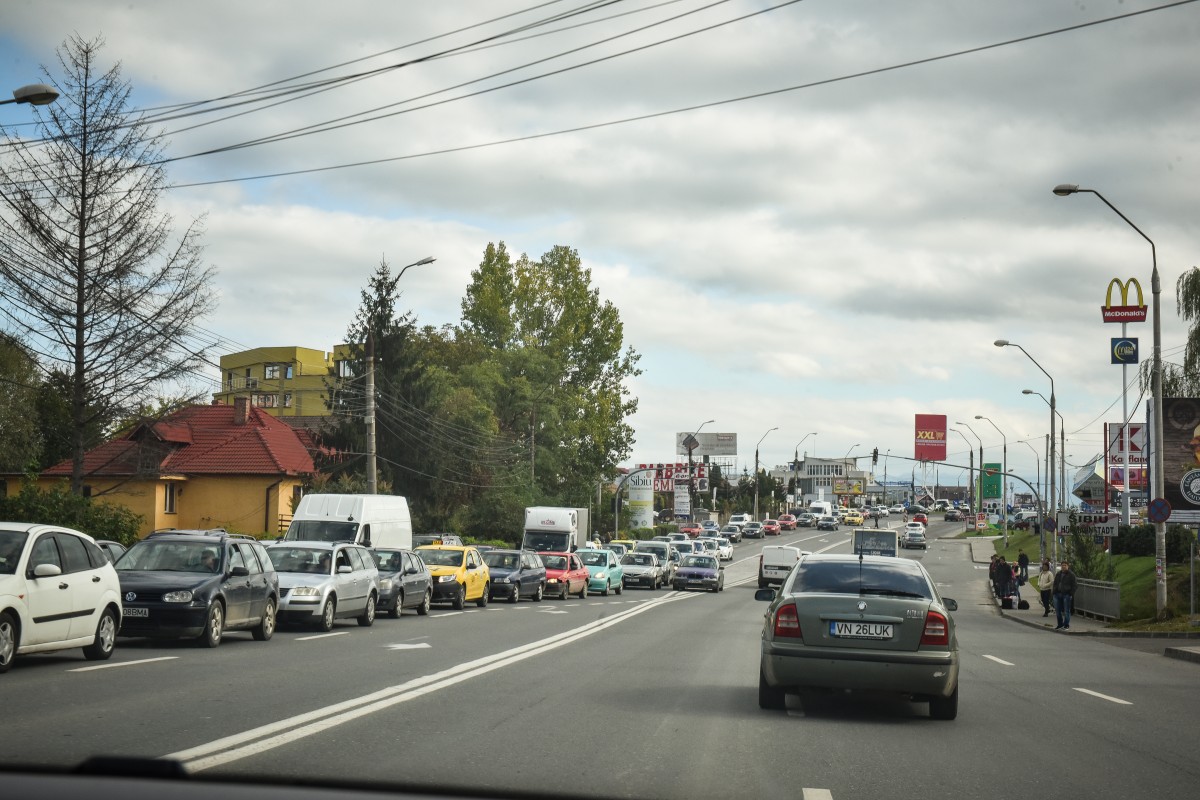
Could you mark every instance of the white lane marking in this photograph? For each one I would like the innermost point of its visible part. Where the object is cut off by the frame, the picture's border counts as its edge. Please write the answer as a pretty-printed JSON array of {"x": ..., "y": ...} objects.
[
  {"x": 123, "y": 664},
  {"x": 1116, "y": 700},
  {"x": 552, "y": 611},
  {"x": 420, "y": 646},
  {"x": 447, "y": 614},
  {"x": 999, "y": 660},
  {"x": 816, "y": 794},
  {"x": 320, "y": 636},
  {"x": 277, "y": 734},
  {"x": 595, "y": 604}
]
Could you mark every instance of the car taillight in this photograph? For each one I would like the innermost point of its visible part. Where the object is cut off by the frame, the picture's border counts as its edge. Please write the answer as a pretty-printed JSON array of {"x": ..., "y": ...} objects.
[
  {"x": 937, "y": 629},
  {"x": 787, "y": 622}
]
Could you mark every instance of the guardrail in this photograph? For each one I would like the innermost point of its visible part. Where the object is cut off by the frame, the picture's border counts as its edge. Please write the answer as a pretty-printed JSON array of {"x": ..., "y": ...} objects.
[{"x": 1100, "y": 599}]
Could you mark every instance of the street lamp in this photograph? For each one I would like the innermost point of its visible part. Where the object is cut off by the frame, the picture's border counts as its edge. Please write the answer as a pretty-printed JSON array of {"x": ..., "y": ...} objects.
[
  {"x": 796, "y": 469},
  {"x": 1053, "y": 411},
  {"x": 369, "y": 387},
  {"x": 971, "y": 468},
  {"x": 1157, "y": 476},
  {"x": 973, "y": 433},
  {"x": 1060, "y": 463},
  {"x": 1037, "y": 462},
  {"x": 886, "y": 456},
  {"x": 691, "y": 480},
  {"x": 1003, "y": 477},
  {"x": 760, "y": 441},
  {"x": 35, "y": 94}
]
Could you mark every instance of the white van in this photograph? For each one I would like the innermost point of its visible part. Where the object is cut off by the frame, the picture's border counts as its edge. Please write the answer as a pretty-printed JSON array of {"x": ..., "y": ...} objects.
[
  {"x": 821, "y": 508},
  {"x": 372, "y": 520},
  {"x": 775, "y": 562}
]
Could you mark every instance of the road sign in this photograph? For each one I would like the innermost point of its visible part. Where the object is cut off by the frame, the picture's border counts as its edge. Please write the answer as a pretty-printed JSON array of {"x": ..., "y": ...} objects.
[
  {"x": 1051, "y": 525},
  {"x": 1159, "y": 510}
]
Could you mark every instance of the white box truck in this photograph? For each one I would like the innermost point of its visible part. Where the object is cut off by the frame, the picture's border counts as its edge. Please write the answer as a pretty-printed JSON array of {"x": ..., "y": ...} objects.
[
  {"x": 372, "y": 520},
  {"x": 554, "y": 529}
]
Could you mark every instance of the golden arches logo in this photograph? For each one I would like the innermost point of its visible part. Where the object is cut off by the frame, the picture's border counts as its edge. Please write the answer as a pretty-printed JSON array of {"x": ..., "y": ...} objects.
[{"x": 1124, "y": 312}]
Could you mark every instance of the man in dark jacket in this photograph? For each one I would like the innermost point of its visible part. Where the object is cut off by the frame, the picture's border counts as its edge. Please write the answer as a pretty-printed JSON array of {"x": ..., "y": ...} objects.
[
  {"x": 1003, "y": 579},
  {"x": 1064, "y": 595},
  {"x": 1023, "y": 563}
]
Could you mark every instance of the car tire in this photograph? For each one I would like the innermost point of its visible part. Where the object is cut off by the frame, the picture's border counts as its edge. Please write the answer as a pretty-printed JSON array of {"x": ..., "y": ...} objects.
[
  {"x": 395, "y": 611},
  {"x": 328, "y": 614},
  {"x": 9, "y": 641},
  {"x": 516, "y": 595},
  {"x": 214, "y": 625},
  {"x": 540, "y": 593},
  {"x": 483, "y": 598},
  {"x": 101, "y": 648},
  {"x": 583, "y": 593},
  {"x": 620, "y": 586},
  {"x": 367, "y": 619},
  {"x": 944, "y": 707},
  {"x": 265, "y": 628},
  {"x": 563, "y": 594},
  {"x": 460, "y": 599},
  {"x": 423, "y": 609},
  {"x": 771, "y": 698},
  {"x": 607, "y": 586}
]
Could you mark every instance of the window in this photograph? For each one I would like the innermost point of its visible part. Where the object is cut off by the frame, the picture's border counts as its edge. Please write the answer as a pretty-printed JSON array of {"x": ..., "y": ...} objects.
[
  {"x": 287, "y": 373},
  {"x": 249, "y": 558},
  {"x": 169, "y": 492},
  {"x": 235, "y": 558},
  {"x": 44, "y": 552},
  {"x": 73, "y": 552},
  {"x": 287, "y": 399},
  {"x": 271, "y": 372}
]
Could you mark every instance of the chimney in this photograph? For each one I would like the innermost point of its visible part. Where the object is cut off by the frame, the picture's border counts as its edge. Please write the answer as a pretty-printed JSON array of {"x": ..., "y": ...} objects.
[{"x": 241, "y": 410}]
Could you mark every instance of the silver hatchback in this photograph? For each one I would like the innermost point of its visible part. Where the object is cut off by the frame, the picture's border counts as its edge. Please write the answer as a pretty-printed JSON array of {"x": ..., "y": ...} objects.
[
  {"x": 875, "y": 624},
  {"x": 320, "y": 582}
]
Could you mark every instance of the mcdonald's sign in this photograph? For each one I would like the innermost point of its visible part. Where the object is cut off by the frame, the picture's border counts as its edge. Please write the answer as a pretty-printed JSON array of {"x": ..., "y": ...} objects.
[{"x": 1124, "y": 312}]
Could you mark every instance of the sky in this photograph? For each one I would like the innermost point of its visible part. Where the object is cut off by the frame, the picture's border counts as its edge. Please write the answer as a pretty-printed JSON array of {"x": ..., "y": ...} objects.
[{"x": 827, "y": 236}]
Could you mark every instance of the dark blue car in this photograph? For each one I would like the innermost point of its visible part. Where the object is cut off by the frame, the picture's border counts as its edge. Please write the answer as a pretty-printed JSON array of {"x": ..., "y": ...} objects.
[{"x": 516, "y": 574}]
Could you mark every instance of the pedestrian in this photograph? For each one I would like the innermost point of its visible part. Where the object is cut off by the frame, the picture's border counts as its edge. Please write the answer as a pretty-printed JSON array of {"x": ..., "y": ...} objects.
[
  {"x": 1003, "y": 579},
  {"x": 992, "y": 571},
  {"x": 1064, "y": 595},
  {"x": 1046, "y": 587},
  {"x": 1023, "y": 562}
]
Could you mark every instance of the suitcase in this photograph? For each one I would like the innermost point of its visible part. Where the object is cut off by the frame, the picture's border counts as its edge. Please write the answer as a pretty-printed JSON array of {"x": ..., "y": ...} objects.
[
  {"x": 1006, "y": 602},
  {"x": 1023, "y": 605}
]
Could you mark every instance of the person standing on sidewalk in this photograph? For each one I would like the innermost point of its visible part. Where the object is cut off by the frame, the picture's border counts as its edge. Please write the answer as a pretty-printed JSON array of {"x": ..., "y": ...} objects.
[
  {"x": 1023, "y": 563},
  {"x": 1003, "y": 579},
  {"x": 1064, "y": 596},
  {"x": 1046, "y": 587}
]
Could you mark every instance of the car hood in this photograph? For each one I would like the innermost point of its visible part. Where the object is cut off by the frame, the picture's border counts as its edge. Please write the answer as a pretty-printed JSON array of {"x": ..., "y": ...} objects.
[
  {"x": 593, "y": 569},
  {"x": 290, "y": 580},
  {"x": 164, "y": 581},
  {"x": 501, "y": 572},
  {"x": 639, "y": 569}
]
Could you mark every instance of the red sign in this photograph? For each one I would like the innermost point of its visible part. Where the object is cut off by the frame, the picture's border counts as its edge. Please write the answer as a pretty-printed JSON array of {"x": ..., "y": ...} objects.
[
  {"x": 1124, "y": 312},
  {"x": 930, "y": 440}
]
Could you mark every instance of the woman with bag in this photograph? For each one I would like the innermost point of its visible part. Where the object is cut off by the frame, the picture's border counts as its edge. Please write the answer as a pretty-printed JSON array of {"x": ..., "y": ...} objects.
[{"x": 1046, "y": 586}]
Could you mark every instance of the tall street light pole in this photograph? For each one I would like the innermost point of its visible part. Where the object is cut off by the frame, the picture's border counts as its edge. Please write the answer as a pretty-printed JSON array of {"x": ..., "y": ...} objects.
[
  {"x": 886, "y": 456},
  {"x": 1158, "y": 479},
  {"x": 691, "y": 480},
  {"x": 796, "y": 469},
  {"x": 760, "y": 441},
  {"x": 1003, "y": 480},
  {"x": 848, "y": 456},
  {"x": 971, "y": 470},
  {"x": 35, "y": 94},
  {"x": 372, "y": 470},
  {"x": 979, "y": 494},
  {"x": 1053, "y": 410},
  {"x": 1061, "y": 463}
]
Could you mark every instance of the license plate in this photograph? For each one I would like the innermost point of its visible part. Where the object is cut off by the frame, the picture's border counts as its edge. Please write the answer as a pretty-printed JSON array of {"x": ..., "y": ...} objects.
[
  {"x": 135, "y": 612},
  {"x": 860, "y": 630},
  {"x": 695, "y": 580}
]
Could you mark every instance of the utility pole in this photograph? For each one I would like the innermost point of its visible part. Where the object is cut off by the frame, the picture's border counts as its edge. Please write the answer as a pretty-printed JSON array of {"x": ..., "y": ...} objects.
[{"x": 372, "y": 474}]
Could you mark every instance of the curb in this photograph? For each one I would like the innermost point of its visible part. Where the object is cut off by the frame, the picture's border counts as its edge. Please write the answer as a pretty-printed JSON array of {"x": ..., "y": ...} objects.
[{"x": 1183, "y": 653}]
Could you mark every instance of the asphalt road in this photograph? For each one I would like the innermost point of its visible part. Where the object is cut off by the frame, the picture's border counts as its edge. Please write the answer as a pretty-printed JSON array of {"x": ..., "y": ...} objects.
[{"x": 646, "y": 694}]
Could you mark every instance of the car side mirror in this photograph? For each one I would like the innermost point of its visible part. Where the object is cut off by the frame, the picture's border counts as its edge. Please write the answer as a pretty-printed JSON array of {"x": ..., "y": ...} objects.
[
  {"x": 471, "y": 566},
  {"x": 344, "y": 569},
  {"x": 239, "y": 572},
  {"x": 951, "y": 605},
  {"x": 767, "y": 594},
  {"x": 47, "y": 571}
]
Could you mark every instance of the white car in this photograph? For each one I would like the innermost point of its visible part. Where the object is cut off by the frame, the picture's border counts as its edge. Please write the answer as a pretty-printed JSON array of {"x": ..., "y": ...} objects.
[
  {"x": 897, "y": 509},
  {"x": 915, "y": 526},
  {"x": 57, "y": 591},
  {"x": 724, "y": 549}
]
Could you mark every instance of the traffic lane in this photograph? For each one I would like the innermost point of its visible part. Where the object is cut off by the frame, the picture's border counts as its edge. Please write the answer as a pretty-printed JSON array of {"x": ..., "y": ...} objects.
[{"x": 197, "y": 695}]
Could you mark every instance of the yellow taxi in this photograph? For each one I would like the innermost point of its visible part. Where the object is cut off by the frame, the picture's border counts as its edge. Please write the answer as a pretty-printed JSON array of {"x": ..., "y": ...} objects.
[
  {"x": 854, "y": 517},
  {"x": 459, "y": 574}
]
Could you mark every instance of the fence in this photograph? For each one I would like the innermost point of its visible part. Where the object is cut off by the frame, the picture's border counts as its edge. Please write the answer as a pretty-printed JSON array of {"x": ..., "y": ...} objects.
[{"x": 1100, "y": 599}]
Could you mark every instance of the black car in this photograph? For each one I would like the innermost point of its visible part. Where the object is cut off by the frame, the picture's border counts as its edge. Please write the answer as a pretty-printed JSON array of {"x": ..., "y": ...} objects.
[
  {"x": 197, "y": 584},
  {"x": 516, "y": 574},
  {"x": 404, "y": 581}
]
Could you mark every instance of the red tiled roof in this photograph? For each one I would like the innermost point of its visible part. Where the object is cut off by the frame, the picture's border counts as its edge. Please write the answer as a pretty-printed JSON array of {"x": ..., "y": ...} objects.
[{"x": 200, "y": 440}]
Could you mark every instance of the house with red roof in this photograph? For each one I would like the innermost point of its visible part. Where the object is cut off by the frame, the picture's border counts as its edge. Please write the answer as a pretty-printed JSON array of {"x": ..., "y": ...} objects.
[{"x": 219, "y": 466}]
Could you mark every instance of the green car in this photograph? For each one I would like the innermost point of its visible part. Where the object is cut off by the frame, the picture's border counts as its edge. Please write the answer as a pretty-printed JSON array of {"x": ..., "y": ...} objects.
[
  {"x": 604, "y": 571},
  {"x": 874, "y": 625}
]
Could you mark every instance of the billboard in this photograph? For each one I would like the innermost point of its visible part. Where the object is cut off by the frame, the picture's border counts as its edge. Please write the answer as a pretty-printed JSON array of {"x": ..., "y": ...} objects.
[
  {"x": 1137, "y": 444},
  {"x": 991, "y": 482},
  {"x": 1101, "y": 524},
  {"x": 641, "y": 500},
  {"x": 847, "y": 485},
  {"x": 1181, "y": 455},
  {"x": 706, "y": 444},
  {"x": 930, "y": 437},
  {"x": 665, "y": 475},
  {"x": 1124, "y": 312}
]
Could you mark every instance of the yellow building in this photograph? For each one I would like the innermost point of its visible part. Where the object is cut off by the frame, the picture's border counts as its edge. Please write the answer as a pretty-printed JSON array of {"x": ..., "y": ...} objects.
[{"x": 283, "y": 381}]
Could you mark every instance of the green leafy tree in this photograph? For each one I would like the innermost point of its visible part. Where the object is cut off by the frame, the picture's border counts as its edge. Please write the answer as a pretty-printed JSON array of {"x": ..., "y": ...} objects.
[
  {"x": 90, "y": 277},
  {"x": 1182, "y": 380},
  {"x": 59, "y": 506}
]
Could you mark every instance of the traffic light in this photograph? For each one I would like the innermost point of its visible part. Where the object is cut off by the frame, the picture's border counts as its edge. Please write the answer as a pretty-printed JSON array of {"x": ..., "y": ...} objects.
[{"x": 875, "y": 456}]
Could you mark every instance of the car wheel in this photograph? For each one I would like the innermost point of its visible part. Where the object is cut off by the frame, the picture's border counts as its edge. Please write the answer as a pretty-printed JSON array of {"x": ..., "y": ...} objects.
[
  {"x": 772, "y": 698},
  {"x": 516, "y": 595},
  {"x": 541, "y": 590},
  {"x": 395, "y": 611},
  {"x": 368, "y": 615},
  {"x": 607, "y": 586},
  {"x": 328, "y": 614},
  {"x": 483, "y": 598},
  {"x": 102, "y": 646},
  {"x": 583, "y": 593},
  {"x": 944, "y": 707},
  {"x": 460, "y": 599},
  {"x": 266, "y": 626},
  {"x": 8, "y": 641},
  {"x": 620, "y": 586},
  {"x": 423, "y": 609},
  {"x": 563, "y": 595},
  {"x": 215, "y": 625}
]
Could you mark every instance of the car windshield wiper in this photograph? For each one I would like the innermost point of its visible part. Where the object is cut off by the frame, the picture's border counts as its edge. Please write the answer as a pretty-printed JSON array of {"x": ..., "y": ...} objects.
[{"x": 893, "y": 592}]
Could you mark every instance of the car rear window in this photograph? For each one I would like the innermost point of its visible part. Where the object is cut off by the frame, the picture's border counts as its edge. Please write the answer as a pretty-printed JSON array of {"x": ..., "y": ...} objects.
[{"x": 848, "y": 577}]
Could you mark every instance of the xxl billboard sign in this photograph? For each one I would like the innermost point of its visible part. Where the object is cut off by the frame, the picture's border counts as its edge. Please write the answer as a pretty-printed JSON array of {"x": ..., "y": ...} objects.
[
  {"x": 930, "y": 440},
  {"x": 1124, "y": 312}
]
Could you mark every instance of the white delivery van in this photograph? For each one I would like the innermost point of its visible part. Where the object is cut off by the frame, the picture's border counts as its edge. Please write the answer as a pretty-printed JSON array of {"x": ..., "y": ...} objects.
[
  {"x": 372, "y": 520},
  {"x": 775, "y": 562},
  {"x": 821, "y": 508}
]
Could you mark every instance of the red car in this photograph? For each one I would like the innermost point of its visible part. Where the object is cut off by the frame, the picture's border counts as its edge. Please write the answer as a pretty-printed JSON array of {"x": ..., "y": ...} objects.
[
  {"x": 770, "y": 527},
  {"x": 921, "y": 518},
  {"x": 692, "y": 529},
  {"x": 565, "y": 574},
  {"x": 787, "y": 522}
]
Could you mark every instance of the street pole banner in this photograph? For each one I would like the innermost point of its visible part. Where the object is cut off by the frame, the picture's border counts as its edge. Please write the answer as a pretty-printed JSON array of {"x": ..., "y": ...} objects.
[
  {"x": 930, "y": 437},
  {"x": 641, "y": 500}
]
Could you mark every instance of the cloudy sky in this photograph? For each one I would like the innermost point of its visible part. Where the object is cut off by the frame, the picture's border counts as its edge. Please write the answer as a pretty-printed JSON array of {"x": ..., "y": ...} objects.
[{"x": 828, "y": 241}]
